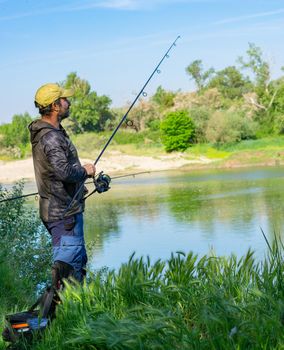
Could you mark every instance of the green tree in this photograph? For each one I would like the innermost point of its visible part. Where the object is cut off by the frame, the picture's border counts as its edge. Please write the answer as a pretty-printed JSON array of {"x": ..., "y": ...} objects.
[
  {"x": 165, "y": 99},
  {"x": 200, "y": 77},
  {"x": 177, "y": 131},
  {"x": 267, "y": 91},
  {"x": 89, "y": 112},
  {"x": 228, "y": 127},
  {"x": 258, "y": 66},
  {"x": 16, "y": 133},
  {"x": 200, "y": 117},
  {"x": 230, "y": 82},
  {"x": 275, "y": 109}
]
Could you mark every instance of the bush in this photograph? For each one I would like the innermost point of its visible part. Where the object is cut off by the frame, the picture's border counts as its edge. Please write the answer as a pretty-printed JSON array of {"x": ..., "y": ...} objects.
[
  {"x": 164, "y": 99},
  {"x": 177, "y": 131},
  {"x": 15, "y": 136},
  {"x": 186, "y": 302},
  {"x": 200, "y": 117},
  {"x": 16, "y": 133},
  {"x": 24, "y": 243},
  {"x": 227, "y": 127},
  {"x": 279, "y": 124},
  {"x": 154, "y": 125}
]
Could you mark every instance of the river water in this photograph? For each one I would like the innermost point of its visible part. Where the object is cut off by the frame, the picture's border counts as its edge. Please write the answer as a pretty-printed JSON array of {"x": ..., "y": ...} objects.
[{"x": 160, "y": 213}]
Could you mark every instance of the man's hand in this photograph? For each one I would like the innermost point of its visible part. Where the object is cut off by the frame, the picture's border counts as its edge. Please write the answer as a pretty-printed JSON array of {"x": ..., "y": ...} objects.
[{"x": 90, "y": 169}]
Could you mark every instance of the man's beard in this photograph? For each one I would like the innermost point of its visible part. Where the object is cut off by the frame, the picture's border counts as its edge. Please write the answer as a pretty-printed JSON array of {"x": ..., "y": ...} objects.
[{"x": 64, "y": 115}]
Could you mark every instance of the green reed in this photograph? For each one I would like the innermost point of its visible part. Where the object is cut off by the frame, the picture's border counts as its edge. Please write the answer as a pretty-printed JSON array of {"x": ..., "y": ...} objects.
[{"x": 183, "y": 303}]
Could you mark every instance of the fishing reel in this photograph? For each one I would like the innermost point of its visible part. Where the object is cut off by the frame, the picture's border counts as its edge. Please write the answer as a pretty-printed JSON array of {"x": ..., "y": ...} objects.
[{"x": 102, "y": 182}]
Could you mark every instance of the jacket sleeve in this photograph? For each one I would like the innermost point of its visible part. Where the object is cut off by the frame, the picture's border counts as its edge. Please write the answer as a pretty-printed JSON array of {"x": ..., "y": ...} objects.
[{"x": 56, "y": 153}]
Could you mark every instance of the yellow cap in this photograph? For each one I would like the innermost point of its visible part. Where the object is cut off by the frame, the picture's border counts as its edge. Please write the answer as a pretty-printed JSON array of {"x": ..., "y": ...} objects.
[{"x": 49, "y": 93}]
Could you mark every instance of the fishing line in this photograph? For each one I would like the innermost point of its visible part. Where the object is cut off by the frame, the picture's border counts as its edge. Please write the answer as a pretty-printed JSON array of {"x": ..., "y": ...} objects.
[{"x": 35, "y": 194}]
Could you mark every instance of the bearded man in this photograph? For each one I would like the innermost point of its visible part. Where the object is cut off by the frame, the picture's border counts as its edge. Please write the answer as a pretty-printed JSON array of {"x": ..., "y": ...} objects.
[{"x": 59, "y": 175}]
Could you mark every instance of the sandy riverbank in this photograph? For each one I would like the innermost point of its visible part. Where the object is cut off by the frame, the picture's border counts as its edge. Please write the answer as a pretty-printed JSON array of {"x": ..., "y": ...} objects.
[{"x": 115, "y": 162}]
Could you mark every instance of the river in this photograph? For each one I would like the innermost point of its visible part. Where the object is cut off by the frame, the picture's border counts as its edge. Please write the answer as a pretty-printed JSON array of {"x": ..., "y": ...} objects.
[{"x": 201, "y": 211}]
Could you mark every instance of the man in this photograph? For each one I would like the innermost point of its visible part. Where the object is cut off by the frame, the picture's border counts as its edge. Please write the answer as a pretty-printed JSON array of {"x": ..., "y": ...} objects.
[{"x": 59, "y": 175}]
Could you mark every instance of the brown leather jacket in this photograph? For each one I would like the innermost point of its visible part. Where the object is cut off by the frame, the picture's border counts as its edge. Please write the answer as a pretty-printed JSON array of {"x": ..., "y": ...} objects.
[{"x": 58, "y": 171}]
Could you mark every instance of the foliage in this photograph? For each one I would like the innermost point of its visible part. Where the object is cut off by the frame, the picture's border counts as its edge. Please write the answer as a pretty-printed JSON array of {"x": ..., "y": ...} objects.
[
  {"x": 200, "y": 117},
  {"x": 183, "y": 303},
  {"x": 24, "y": 244},
  {"x": 230, "y": 82},
  {"x": 277, "y": 91},
  {"x": 257, "y": 65},
  {"x": 225, "y": 127},
  {"x": 279, "y": 124},
  {"x": 128, "y": 137},
  {"x": 200, "y": 77},
  {"x": 227, "y": 107},
  {"x": 15, "y": 135},
  {"x": 144, "y": 113},
  {"x": 25, "y": 254},
  {"x": 165, "y": 99},
  {"x": 177, "y": 130},
  {"x": 89, "y": 112}
]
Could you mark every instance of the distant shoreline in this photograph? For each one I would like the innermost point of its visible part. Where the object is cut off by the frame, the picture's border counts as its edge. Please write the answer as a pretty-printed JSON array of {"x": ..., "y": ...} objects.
[{"x": 118, "y": 163}]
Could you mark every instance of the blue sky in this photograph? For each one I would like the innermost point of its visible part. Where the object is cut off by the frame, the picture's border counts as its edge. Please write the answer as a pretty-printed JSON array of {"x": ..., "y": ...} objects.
[{"x": 115, "y": 44}]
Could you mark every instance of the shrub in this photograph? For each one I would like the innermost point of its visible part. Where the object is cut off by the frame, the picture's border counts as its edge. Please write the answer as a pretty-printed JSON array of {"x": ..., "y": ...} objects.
[
  {"x": 279, "y": 124},
  {"x": 15, "y": 136},
  {"x": 186, "y": 302},
  {"x": 227, "y": 127},
  {"x": 164, "y": 99},
  {"x": 200, "y": 117},
  {"x": 24, "y": 244},
  {"x": 177, "y": 131}
]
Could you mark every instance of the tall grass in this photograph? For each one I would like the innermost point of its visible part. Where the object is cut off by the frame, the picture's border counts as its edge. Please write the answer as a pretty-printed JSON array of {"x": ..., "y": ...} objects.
[
  {"x": 272, "y": 143},
  {"x": 183, "y": 303},
  {"x": 25, "y": 254}
]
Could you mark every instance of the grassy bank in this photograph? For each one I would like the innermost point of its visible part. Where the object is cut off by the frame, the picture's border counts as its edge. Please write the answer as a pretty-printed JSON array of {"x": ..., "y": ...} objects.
[
  {"x": 266, "y": 151},
  {"x": 182, "y": 303}
]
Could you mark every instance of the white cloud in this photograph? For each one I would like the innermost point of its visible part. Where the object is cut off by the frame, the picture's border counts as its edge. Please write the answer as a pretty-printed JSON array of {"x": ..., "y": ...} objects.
[
  {"x": 73, "y": 6},
  {"x": 251, "y": 16}
]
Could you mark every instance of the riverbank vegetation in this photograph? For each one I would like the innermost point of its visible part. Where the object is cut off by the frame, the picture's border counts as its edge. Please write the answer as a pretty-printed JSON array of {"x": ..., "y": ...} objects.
[
  {"x": 25, "y": 253},
  {"x": 184, "y": 303},
  {"x": 238, "y": 103}
]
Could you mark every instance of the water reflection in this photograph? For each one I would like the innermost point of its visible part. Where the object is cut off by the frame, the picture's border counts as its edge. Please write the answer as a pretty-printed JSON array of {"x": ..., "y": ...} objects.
[{"x": 157, "y": 214}]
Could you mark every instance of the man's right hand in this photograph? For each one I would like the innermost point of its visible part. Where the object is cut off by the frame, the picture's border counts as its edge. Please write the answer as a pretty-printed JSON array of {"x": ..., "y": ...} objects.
[{"x": 90, "y": 169}]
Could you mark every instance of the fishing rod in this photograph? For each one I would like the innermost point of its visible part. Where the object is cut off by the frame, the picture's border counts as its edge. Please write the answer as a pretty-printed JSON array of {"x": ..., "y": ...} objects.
[
  {"x": 87, "y": 183},
  {"x": 156, "y": 70},
  {"x": 142, "y": 92}
]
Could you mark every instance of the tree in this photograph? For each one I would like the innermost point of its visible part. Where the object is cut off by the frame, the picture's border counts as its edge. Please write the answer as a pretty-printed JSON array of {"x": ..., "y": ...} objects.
[
  {"x": 89, "y": 112},
  {"x": 228, "y": 126},
  {"x": 177, "y": 131},
  {"x": 16, "y": 133},
  {"x": 230, "y": 82},
  {"x": 195, "y": 71},
  {"x": 165, "y": 99},
  {"x": 269, "y": 101},
  {"x": 258, "y": 66}
]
